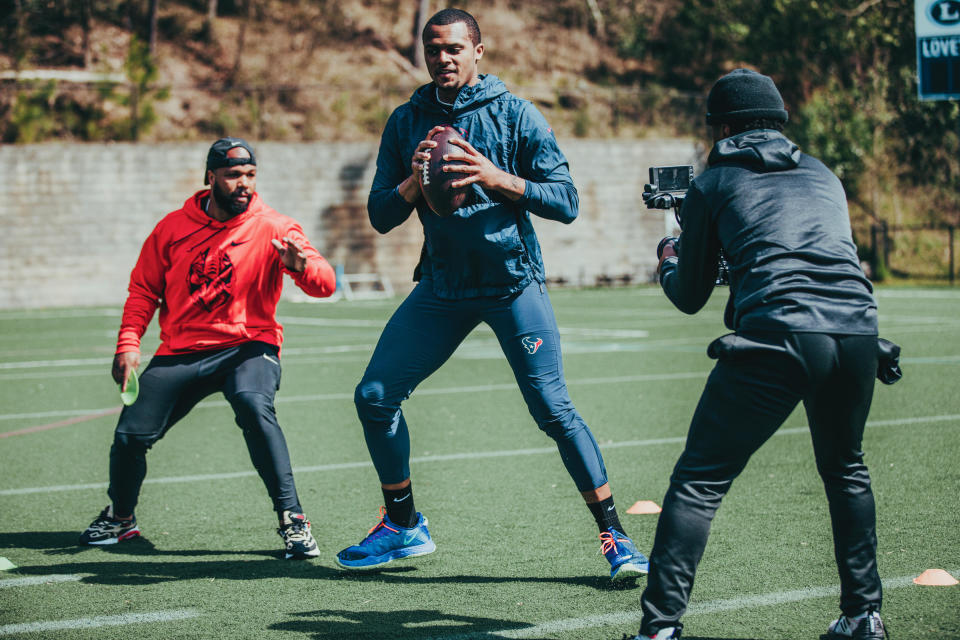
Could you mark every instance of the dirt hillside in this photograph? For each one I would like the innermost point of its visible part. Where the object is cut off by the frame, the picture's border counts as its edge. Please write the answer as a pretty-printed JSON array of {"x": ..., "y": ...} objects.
[{"x": 324, "y": 70}]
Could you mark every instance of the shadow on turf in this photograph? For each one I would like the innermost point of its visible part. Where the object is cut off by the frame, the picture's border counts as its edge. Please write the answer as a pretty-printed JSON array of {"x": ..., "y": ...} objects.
[
  {"x": 103, "y": 569},
  {"x": 396, "y": 574},
  {"x": 412, "y": 623},
  {"x": 686, "y": 637},
  {"x": 105, "y": 565},
  {"x": 66, "y": 543},
  {"x": 404, "y": 623}
]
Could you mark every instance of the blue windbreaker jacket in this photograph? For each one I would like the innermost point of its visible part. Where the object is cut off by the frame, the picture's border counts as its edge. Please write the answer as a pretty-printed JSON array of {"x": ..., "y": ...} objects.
[{"x": 488, "y": 247}]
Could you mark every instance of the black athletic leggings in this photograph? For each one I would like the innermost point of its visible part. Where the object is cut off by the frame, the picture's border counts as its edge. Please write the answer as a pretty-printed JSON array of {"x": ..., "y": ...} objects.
[
  {"x": 170, "y": 386},
  {"x": 754, "y": 387}
]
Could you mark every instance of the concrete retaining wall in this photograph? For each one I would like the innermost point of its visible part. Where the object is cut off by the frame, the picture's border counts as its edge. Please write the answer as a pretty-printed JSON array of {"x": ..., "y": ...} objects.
[{"x": 74, "y": 216}]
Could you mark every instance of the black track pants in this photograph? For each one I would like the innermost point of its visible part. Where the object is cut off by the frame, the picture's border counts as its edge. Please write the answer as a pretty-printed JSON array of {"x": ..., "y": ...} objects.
[
  {"x": 757, "y": 382},
  {"x": 170, "y": 386}
]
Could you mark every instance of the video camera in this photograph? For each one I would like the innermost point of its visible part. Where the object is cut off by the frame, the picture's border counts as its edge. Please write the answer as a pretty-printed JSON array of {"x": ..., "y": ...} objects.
[
  {"x": 667, "y": 189},
  {"x": 668, "y": 186}
]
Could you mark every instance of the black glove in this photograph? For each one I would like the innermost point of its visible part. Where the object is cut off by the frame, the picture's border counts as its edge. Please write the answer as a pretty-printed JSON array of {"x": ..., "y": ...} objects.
[
  {"x": 888, "y": 361},
  {"x": 663, "y": 243}
]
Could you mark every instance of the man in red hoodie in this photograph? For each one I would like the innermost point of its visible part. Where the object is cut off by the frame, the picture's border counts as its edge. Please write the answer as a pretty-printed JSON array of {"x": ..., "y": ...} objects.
[{"x": 215, "y": 269}]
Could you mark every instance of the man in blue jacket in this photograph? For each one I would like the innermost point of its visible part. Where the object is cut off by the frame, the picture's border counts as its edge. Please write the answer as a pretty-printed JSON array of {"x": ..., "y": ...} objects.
[
  {"x": 480, "y": 264},
  {"x": 805, "y": 324}
]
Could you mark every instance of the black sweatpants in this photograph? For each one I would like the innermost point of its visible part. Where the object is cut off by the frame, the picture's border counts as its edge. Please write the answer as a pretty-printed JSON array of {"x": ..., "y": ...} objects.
[
  {"x": 757, "y": 382},
  {"x": 170, "y": 386}
]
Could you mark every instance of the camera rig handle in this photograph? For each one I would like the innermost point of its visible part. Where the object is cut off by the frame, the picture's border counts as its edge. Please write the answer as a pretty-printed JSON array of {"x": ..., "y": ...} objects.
[{"x": 655, "y": 199}]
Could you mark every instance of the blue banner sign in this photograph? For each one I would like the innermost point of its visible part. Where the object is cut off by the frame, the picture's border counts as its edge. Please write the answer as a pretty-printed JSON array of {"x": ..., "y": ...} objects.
[{"x": 938, "y": 49}]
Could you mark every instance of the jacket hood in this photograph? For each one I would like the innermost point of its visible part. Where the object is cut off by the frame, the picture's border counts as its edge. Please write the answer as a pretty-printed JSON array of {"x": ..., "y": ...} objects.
[
  {"x": 469, "y": 99},
  {"x": 766, "y": 149}
]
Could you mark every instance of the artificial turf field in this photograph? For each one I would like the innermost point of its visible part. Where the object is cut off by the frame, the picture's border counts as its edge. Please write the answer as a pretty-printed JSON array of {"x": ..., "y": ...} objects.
[{"x": 518, "y": 555}]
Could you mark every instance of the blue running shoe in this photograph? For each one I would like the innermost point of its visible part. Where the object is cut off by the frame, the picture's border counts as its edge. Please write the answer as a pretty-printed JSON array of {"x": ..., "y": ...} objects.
[
  {"x": 387, "y": 541},
  {"x": 625, "y": 560}
]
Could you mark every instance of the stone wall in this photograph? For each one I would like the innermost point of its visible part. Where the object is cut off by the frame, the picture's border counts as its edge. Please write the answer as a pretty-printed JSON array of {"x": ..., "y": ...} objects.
[{"x": 74, "y": 216}]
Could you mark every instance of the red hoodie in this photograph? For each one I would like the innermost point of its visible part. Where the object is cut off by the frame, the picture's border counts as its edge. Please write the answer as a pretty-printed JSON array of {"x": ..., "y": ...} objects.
[{"x": 217, "y": 283}]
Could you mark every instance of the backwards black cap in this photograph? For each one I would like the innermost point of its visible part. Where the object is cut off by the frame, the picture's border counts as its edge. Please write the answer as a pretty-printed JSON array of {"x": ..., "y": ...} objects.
[{"x": 219, "y": 155}]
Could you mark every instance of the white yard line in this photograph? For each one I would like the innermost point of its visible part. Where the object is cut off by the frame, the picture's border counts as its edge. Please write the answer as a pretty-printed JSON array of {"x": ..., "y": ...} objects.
[
  {"x": 41, "y": 364},
  {"x": 557, "y": 626},
  {"x": 473, "y": 455},
  {"x": 98, "y": 621},
  {"x": 100, "y": 372},
  {"x": 932, "y": 360},
  {"x": 947, "y": 294},
  {"x": 329, "y": 322},
  {"x": 469, "y": 348},
  {"x": 56, "y": 314},
  {"x": 317, "y": 397},
  {"x": 507, "y": 386},
  {"x": 35, "y": 580},
  {"x": 627, "y": 618}
]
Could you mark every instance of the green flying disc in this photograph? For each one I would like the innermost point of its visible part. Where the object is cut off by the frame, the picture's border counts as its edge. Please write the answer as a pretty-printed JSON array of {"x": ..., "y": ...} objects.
[{"x": 129, "y": 396}]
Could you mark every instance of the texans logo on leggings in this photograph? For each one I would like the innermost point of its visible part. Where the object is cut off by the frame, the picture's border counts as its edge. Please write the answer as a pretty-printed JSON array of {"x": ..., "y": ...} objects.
[
  {"x": 210, "y": 279},
  {"x": 531, "y": 344}
]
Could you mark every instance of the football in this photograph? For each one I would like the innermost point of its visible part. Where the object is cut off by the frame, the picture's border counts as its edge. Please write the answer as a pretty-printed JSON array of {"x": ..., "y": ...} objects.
[{"x": 435, "y": 183}]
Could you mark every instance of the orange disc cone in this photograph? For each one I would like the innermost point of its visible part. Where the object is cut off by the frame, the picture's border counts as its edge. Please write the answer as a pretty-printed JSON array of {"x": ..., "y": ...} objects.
[
  {"x": 935, "y": 578},
  {"x": 644, "y": 506}
]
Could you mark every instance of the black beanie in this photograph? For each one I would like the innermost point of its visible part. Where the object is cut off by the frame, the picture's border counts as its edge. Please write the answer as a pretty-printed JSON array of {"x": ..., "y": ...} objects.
[{"x": 744, "y": 95}]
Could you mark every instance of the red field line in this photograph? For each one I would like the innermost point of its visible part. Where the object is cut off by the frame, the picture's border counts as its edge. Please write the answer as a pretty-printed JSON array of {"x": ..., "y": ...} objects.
[{"x": 62, "y": 423}]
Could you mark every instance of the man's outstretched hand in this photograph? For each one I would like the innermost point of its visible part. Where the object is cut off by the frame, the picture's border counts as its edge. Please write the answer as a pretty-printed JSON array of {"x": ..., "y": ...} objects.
[
  {"x": 482, "y": 171},
  {"x": 291, "y": 254}
]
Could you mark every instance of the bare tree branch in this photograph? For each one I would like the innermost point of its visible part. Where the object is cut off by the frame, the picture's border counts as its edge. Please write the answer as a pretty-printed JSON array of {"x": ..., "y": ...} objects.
[
  {"x": 419, "y": 22},
  {"x": 85, "y": 18},
  {"x": 861, "y": 9},
  {"x": 208, "y": 20},
  {"x": 154, "y": 12},
  {"x": 598, "y": 21}
]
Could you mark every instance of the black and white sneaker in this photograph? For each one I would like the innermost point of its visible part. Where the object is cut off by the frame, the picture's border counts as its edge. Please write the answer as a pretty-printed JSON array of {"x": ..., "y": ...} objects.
[
  {"x": 666, "y": 633},
  {"x": 866, "y": 626},
  {"x": 297, "y": 539},
  {"x": 106, "y": 529}
]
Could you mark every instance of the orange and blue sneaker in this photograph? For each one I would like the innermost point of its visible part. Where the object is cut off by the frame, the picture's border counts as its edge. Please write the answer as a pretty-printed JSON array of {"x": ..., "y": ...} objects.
[
  {"x": 107, "y": 529},
  {"x": 625, "y": 561},
  {"x": 386, "y": 542}
]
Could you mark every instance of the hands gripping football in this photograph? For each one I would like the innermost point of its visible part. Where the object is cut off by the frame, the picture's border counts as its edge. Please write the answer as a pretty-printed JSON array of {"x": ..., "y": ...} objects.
[
  {"x": 444, "y": 191},
  {"x": 444, "y": 166}
]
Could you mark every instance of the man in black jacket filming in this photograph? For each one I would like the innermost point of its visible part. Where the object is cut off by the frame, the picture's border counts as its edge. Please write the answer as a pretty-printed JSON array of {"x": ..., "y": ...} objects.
[{"x": 805, "y": 329}]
